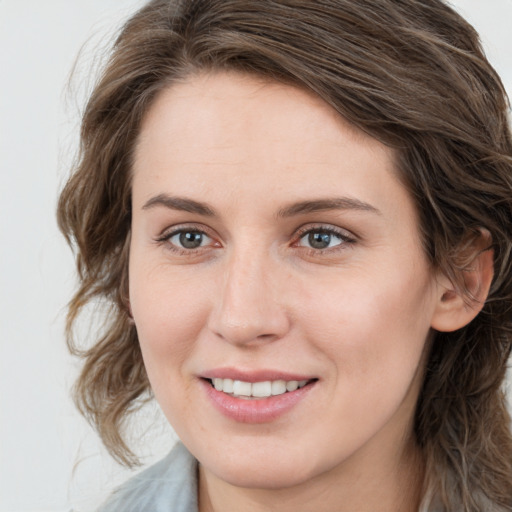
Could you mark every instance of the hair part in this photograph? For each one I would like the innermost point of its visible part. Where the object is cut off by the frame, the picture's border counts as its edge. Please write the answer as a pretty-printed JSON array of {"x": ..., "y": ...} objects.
[{"x": 410, "y": 73}]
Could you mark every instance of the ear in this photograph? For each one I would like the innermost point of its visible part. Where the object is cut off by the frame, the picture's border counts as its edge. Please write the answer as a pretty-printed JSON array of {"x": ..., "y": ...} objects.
[
  {"x": 457, "y": 306},
  {"x": 128, "y": 307}
]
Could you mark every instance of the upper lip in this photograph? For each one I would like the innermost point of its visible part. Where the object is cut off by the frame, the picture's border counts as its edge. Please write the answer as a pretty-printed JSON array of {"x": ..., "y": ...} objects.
[{"x": 253, "y": 375}]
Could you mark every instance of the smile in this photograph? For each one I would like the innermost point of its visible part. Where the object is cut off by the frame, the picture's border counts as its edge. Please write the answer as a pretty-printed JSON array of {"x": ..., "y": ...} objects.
[
  {"x": 251, "y": 390},
  {"x": 255, "y": 400}
]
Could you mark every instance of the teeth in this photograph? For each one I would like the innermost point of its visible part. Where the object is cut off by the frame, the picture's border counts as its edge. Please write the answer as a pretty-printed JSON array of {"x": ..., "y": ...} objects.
[
  {"x": 241, "y": 388},
  {"x": 278, "y": 387},
  {"x": 292, "y": 385},
  {"x": 262, "y": 389},
  {"x": 228, "y": 385}
]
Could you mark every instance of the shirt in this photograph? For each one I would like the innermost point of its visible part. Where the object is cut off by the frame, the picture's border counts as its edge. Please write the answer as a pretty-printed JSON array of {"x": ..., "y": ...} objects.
[{"x": 168, "y": 486}]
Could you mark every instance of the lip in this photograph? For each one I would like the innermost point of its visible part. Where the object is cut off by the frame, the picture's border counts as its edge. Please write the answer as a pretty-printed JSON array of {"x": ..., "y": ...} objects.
[
  {"x": 253, "y": 375},
  {"x": 255, "y": 411}
]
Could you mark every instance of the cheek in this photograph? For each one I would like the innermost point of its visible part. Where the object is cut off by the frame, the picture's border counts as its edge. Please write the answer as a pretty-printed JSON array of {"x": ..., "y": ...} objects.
[
  {"x": 372, "y": 330},
  {"x": 169, "y": 310}
]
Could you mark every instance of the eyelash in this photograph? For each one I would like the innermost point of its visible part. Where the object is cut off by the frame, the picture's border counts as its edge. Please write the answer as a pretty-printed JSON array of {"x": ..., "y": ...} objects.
[
  {"x": 166, "y": 237},
  {"x": 344, "y": 237}
]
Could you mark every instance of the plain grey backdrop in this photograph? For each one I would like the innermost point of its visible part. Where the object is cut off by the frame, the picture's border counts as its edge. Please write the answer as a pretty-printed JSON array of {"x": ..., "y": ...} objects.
[{"x": 50, "y": 460}]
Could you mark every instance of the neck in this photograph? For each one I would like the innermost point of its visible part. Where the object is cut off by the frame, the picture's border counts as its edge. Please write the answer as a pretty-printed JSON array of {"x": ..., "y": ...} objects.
[{"x": 391, "y": 486}]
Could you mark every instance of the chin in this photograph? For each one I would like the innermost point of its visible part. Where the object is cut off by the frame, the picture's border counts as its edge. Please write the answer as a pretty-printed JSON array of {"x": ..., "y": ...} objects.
[
  {"x": 280, "y": 477},
  {"x": 262, "y": 471}
]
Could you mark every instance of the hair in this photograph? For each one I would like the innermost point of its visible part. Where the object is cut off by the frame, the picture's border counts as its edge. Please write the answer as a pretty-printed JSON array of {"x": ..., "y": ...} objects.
[{"x": 410, "y": 73}]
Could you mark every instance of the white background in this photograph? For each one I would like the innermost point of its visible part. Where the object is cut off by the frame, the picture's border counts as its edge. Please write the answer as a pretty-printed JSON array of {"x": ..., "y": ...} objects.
[{"x": 50, "y": 460}]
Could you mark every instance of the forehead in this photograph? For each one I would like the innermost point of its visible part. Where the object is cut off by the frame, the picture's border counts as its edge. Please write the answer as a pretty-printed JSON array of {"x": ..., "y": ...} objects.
[
  {"x": 214, "y": 94},
  {"x": 218, "y": 108},
  {"x": 248, "y": 135}
]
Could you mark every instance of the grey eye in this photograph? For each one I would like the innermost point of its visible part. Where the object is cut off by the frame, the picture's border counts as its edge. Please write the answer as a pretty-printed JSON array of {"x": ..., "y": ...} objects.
[
  {"x": 320, "y": 239},
  {"x": 190, "y": 239}
]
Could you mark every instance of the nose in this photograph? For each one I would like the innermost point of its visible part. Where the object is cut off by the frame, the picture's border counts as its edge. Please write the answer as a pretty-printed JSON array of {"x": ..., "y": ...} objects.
[{"x": 250, "y": 309}]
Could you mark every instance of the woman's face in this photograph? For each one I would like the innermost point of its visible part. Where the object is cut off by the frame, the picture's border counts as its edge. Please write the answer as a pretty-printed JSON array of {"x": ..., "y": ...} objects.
[{"x": 273, "y": 247}]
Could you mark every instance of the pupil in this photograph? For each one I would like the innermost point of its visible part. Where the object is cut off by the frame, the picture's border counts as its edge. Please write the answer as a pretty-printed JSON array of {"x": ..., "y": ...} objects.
[
  {"x": 191, "y": 240},
  {"x": 319, "y": 240}
]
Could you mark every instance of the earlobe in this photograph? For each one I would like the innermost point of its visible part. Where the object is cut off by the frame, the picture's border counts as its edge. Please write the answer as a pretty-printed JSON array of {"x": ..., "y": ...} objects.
[
  {"x": 456, "y": 305},
  {"x": 131, "y": 321}
]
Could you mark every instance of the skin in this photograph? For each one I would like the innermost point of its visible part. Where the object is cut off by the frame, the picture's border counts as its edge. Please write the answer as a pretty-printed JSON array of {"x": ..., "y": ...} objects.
[{"x": 255, "y": 295}]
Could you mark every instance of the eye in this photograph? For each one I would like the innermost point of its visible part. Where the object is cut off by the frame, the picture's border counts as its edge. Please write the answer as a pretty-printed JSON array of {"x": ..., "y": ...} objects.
[
  {"x": 189, "y": 239},
  {"x": 322, "y": 239},
  {"x": 186, "y": 240}
]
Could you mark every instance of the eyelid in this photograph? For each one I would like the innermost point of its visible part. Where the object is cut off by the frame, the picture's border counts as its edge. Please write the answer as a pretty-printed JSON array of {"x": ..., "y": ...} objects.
[
  {"x": 347, "y": 238},
  {"x": 170, "y": 231},
  {"x": 165, "y": 236},
  {"x": 328, "y": 228}
]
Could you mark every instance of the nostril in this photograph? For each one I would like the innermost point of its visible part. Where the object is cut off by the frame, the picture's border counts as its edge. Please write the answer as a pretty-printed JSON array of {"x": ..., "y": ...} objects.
[{"x": 266, "y": 336}]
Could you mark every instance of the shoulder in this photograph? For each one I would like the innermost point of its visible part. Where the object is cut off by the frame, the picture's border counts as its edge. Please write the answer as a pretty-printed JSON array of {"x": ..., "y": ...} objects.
[{"x": 170, "y": 484}]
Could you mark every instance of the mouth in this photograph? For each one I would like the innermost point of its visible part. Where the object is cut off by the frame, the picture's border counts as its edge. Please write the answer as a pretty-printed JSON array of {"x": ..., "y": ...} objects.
[
  {"x": 256, "y": 397},
  {"x": 257, "y": 390}
]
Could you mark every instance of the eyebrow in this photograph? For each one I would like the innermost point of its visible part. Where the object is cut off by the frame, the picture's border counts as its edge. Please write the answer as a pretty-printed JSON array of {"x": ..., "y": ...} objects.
[
  {"x": 300, "y": 208},
  {"x": 335, "y": 203},
  {"x": 179, "y": 203}
]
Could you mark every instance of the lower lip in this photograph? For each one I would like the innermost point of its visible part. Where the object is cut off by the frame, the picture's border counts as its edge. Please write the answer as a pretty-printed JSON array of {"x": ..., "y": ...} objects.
[{"x": 263, "y": 410}]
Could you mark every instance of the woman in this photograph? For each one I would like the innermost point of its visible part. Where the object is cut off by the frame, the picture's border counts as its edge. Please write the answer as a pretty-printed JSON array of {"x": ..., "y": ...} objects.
[{"x": 300, "y": 213}]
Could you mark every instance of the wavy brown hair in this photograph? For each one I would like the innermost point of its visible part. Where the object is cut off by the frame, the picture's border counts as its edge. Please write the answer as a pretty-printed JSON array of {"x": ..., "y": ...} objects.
[{"x": 410, "y": 73}]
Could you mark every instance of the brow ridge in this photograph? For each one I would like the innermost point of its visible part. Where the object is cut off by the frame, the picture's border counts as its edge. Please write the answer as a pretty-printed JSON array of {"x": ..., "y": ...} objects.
[
  {"x": 299, "y": 208},
  {"x": 335, "y": 203},
  {"x": 179, "y": 203}
]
